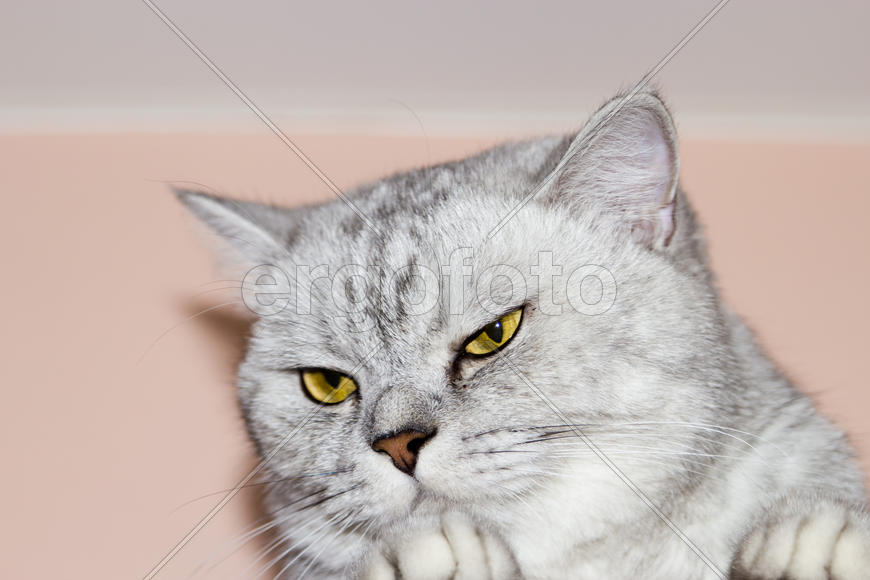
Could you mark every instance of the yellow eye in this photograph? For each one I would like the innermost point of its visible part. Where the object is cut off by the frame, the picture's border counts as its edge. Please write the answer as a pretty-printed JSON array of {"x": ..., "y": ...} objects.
[
  {"x": 327, "y": 386},
  {"x": 495, "y": 335}
]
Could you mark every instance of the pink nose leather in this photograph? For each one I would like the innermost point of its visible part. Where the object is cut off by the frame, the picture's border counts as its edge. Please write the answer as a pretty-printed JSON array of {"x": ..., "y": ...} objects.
[{"x": 403, "y": 448}]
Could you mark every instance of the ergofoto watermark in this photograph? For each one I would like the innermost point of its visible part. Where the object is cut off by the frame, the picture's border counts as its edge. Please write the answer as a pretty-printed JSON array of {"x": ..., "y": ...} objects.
[{"x": 357, "y": 293}]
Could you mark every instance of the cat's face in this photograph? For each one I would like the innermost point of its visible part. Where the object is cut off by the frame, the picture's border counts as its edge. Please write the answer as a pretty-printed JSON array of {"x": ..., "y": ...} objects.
[{"x": 612, "y": 328}]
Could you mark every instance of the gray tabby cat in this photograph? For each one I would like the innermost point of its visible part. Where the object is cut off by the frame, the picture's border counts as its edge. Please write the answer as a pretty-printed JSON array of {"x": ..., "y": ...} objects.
[{"x": 412, "y": 396}]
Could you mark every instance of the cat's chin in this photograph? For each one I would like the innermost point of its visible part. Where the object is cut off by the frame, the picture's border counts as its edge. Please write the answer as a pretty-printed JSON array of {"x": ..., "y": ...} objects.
[
  {"x": 396, "y": 491},
  {"x": 432, "y": 490}
]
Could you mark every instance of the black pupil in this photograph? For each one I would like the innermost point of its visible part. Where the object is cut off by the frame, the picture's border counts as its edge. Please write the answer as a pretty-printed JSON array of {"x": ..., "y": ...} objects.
[
  {"x": 332, "y": 378},
  {"x": 495, "y": 331}
]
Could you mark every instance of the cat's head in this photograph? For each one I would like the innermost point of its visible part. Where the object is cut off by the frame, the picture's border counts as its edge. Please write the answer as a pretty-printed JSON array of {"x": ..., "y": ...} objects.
[{"x": 608, "y": 321}]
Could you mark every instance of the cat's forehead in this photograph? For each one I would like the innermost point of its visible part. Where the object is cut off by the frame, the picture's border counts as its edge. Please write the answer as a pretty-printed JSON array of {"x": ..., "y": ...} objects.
[
  {"x": 403, "y": 227},
  {"x": 416, "y": 290},
  {"x": 387, "y": 267},
  {"x": 455, "y": 203}
]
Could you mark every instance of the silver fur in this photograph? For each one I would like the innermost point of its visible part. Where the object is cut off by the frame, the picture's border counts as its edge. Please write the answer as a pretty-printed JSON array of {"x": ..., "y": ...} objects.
[{"x": 668, "y": 382}]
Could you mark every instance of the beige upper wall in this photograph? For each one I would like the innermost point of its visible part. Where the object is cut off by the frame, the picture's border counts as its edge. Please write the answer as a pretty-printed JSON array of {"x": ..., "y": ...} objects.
[{"x": 773, "y": 67}]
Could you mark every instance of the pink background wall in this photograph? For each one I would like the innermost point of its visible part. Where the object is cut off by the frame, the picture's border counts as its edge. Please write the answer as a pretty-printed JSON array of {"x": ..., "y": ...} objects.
[{"x": 118, "y": 411}]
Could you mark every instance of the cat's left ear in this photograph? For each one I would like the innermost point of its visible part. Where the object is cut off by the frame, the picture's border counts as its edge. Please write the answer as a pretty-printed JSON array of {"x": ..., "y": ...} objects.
[
  {"x": 625, "y": 163},
  {"x": 253, "y": 233}
]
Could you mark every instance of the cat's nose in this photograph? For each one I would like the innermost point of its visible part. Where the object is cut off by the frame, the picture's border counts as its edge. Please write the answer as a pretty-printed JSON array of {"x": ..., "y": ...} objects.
[{"x": 403, "y": 448}]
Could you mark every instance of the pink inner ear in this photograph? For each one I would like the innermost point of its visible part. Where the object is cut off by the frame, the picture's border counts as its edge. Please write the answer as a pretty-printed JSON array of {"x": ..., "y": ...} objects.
[
  {"x": 658, "y": 227},
  {"x": 657, "y": 159},
  {"x": 630, "y": 168},
  {"x": 666, "y": 222}
]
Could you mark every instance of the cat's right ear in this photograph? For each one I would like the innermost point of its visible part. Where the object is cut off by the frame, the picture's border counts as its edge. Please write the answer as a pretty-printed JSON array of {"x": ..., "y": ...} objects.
[
  {"x": 624, "y": 163},
  {"x": 255, "y": 233}
]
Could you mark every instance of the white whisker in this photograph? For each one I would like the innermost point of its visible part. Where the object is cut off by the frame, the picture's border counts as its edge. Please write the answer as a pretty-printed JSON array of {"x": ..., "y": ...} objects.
[
  {"x": 325, "y": 545},
  {"x": 298, "y": 542}
]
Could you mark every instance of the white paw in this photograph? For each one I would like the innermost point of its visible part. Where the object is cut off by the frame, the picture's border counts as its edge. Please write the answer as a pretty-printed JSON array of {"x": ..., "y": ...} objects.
[
  {"x": 427, "y": 556},
  {"x": 807, "y": 541},
  {"x": 456, "y": 550}
]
